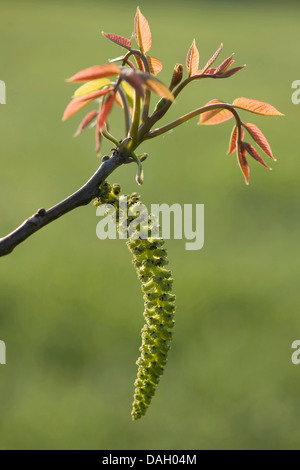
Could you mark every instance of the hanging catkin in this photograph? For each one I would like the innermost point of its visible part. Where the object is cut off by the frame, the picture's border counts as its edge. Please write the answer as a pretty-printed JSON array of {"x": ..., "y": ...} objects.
[{"x": 149, "y": 259}]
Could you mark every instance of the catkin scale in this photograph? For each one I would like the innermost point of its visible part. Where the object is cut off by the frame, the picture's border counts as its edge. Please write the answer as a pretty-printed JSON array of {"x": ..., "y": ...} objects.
[{"x": 149, "y": 259}]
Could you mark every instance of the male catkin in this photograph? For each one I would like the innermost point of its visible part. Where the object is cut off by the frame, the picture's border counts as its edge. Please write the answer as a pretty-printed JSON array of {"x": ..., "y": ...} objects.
[{"x": 149, "y": 259}]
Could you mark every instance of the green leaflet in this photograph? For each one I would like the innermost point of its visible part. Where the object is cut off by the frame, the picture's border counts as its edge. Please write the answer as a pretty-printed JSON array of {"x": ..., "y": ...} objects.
[
  {"x": 91, "y": 86},
  {"x": 149, "y": 259}
]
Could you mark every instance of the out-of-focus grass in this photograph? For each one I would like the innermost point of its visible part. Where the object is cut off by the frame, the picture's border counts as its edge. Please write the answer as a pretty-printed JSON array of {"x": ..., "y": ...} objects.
[{"x": 71, "y": 307}]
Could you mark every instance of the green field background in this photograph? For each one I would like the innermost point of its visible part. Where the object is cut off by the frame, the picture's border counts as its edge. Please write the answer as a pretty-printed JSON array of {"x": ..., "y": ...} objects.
[{"x": 71, "y": 306}]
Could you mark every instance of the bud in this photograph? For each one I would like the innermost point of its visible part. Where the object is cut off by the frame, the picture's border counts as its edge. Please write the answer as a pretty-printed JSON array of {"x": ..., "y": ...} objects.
[
  {"x": 177, "y": 76},
  {"x": 116, "y": 189}
]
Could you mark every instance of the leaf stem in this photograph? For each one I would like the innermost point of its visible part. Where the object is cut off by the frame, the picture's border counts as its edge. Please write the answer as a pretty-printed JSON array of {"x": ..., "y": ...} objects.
[
  {"x": 110, "y": 137},
  {"x": 128, "y": 62},
  {"x": 192, "y": 114},
  {"x": 136, "y": 119},
  {"x": 157, "y": 115},
  {"x": 126, "y": 110},
  {"x": 145, "y": 112}
]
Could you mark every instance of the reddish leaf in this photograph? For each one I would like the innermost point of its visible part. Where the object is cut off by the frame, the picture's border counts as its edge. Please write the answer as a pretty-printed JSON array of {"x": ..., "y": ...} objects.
[
  {"x": 212, "y": 59},
  {"x": 74, "y": 106},
  {"x": 251, "y": 150},
  {"x": 233, "y": 140},
  {"x": 105, "y": 110},
  {"x": 78, "y": 103},
  {"x": 97, "y": 71},
  {"x": 259, "y": 138},
  {"x": 241, "y": 154},
  {"x": 98, "y": 139},
  {"x": 85, "y": 122},
  {"x": 210, "y": 71},
  {"x": 257, "y": 107},
  {"x": 192, "y": 59},
  {"x": 215, "y": 116},
  {"x": 142, "y": 32},
  {"x": 140, "y": 63},
  {"x": 224, "y": 64},
  {"x": 94, "y": 94},
  {"x": 231, "y": 72},
  {"x": 227, "y": 66},
  {"x": 120, "y": 40},
  {"x": 155, "y": 65}
]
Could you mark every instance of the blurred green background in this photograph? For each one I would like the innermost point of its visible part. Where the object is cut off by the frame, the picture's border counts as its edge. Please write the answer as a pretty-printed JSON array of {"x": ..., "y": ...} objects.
[{"x": 71, "y": 306}]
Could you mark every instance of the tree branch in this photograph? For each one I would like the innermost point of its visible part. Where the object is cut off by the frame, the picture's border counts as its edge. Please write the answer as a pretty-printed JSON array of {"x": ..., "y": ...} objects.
[{"x": 82, "y": 197}]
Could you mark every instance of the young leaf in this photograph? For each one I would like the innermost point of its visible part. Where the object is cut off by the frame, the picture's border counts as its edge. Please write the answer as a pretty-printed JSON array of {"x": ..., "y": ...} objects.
[
  {"x": 233, "y": 140},
  {"x": 97, "y": 71},
  {"x": 91, "y": 86},
  {"x": 224, "y": 64},
  {"x": 85, "y": 122},
  {"x": 215, "y": 116},
  {"x": 78, "y": 103},
  {"x": 242, "y": 159},
  {"x": 212, "y": 59},
  {"x": 94, "y": 94},
  {"x": 155, "y": 65},
  {"x": 210, "y": 71},
  {"x": 192, "y": 59},
  {"x": 256, "y": 107},
  {"x": 251, "y": 150},
  {"x": 140, "y": 63},
  {"x": 105, "y": 110},
  {"x": 231, "y": 72},
  {"x": 98, "y": 139},
  {"x": 73, "y": 107},
  {"x": 142, "y": 32},
  {"x": 120, "y": 40},
  {"x": 227, "y": 66},
  {"x": 259, "y": 138}
]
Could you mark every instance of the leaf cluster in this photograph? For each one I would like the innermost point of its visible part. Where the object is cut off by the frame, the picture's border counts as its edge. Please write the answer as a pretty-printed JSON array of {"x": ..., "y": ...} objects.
[{"x": 130, "y": 80}]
